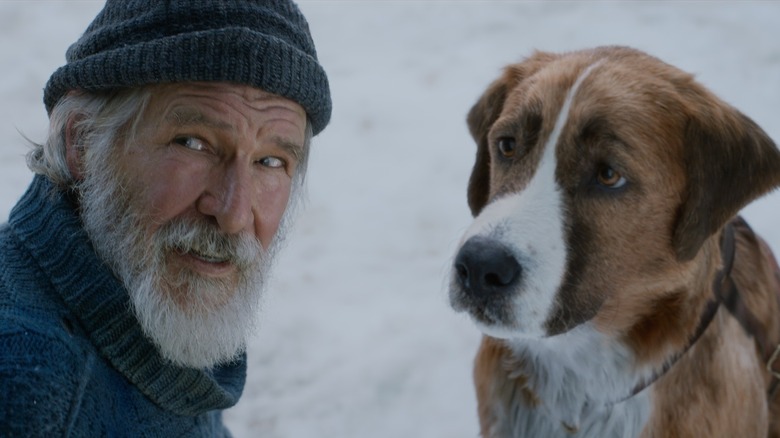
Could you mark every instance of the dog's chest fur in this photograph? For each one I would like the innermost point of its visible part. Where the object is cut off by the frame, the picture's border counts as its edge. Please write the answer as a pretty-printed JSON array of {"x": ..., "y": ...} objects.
[
  {"x": 624, "y": 420},
  {"x": 577, "y": 384}
]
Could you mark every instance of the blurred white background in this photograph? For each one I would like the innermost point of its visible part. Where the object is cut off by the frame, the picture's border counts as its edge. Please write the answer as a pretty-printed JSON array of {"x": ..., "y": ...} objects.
[{"x": 357, "y": 338}]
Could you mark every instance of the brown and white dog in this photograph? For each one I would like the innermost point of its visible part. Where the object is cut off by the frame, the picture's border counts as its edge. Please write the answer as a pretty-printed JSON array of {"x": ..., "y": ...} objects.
[{"x": 618, "y": 295}]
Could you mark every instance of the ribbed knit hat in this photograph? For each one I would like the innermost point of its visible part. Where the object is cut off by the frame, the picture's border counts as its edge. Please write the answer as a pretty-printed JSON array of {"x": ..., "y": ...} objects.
[{"x": 262, "y": 43}]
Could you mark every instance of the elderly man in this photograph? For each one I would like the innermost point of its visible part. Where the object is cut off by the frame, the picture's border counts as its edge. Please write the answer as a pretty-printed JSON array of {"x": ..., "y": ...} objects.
[{"x": 132, "y": 269}]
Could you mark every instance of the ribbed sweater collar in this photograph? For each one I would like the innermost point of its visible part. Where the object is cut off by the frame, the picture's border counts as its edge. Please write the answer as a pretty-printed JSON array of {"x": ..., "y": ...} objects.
[{"x": 49, "y": 227}]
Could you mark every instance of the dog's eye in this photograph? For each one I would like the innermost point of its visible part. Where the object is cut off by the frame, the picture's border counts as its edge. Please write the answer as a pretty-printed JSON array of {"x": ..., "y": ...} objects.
[
  {"x": 609, "y": 177},
  {"x": 507, "y": 146}
]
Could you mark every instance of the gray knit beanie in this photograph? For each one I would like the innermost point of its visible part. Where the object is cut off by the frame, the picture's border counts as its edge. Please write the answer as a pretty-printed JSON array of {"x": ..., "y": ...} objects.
[{"x": 262, "y": 43}]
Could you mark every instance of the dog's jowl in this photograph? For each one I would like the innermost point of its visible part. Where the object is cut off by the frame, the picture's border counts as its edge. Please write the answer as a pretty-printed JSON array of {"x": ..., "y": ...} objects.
[{"x": 619, "y": 293}]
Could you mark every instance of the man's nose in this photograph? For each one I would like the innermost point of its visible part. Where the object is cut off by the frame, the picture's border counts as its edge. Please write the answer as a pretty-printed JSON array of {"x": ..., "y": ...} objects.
[{"x": 228, "y": 199}]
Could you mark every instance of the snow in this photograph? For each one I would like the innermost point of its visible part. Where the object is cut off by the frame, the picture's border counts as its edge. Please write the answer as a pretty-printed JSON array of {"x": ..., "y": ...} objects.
[{"x": 357, "y": 337}]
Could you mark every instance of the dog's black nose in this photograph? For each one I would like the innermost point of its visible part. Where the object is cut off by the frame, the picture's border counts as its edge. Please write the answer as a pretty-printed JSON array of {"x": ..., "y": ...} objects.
[{"x": 486, "y": 267}]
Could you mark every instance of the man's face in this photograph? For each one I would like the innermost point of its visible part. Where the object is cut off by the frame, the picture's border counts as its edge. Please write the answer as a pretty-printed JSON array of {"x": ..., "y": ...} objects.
[
  {"x": 216, "y": 152},
  {"x": 188, "y": 208},
  {"x": 226, "y": 152}
]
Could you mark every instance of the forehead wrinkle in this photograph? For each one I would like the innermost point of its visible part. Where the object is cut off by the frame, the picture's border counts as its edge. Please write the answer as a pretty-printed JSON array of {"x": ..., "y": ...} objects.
[{"x": 190, "y": 116}]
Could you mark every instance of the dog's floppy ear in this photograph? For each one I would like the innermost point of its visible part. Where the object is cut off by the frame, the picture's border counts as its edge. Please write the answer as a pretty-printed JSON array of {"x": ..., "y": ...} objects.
[
  {"x": 729, "y": 161},
  {"x": 480, "y": 119},
  {"x": 482, "y": 116}
]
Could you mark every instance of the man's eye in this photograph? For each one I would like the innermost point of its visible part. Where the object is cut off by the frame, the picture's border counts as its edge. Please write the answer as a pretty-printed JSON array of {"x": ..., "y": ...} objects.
[
  {"x": 193, "y": 143},
  {"x": 273, "y": 162}
]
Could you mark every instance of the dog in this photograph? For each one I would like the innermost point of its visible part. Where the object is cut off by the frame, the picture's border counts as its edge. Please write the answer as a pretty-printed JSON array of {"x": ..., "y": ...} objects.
[{"x": 617, "y": 290}]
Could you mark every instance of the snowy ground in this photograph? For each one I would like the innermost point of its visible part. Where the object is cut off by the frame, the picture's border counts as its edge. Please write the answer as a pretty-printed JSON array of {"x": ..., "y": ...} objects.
[{"x": 357, "y": 338}]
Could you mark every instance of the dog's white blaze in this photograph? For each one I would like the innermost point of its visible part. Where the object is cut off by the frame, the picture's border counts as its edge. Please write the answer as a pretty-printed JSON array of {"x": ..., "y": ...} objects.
[{"x": 530, "y": 223}]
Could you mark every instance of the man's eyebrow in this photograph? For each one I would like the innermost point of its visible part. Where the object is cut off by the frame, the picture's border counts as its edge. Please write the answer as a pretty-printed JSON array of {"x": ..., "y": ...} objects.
[
  {"x": 291, "y": 147},
  {"x": 188, "y": 116}
]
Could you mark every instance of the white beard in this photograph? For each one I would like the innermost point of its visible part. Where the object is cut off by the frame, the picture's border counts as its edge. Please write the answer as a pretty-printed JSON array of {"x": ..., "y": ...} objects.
[{"x": 198, "y": 329}]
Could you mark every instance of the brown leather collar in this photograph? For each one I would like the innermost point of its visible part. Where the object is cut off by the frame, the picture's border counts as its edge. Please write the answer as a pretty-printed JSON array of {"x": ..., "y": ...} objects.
[
  {"x": 726, "y": 293},
  {"x": 731, "y": 299},
  {"x": 711, "y": 308}
]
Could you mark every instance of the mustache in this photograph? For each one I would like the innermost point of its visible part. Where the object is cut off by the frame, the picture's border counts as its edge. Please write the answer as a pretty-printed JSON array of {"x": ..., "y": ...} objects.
[{"x": 205, "y": 240}]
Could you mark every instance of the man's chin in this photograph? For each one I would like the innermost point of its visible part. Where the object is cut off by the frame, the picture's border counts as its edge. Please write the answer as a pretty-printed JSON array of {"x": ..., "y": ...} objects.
[
  {"x": 201, "y": 296},
  {"x": 197, "y": 331}
]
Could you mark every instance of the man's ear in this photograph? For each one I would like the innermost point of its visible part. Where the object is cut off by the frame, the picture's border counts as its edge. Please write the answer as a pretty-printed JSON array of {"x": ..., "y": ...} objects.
[
  {"x": 74, "y": 147},
  {"x": 729, "y": 161}
]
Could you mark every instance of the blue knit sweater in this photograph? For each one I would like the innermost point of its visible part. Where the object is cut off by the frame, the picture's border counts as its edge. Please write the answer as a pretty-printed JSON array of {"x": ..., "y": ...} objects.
[{"x": 73, "y": 359}]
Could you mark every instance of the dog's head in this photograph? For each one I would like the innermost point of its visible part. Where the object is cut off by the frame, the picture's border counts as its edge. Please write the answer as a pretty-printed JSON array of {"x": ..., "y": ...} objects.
[{"x": 600, "y": 177}]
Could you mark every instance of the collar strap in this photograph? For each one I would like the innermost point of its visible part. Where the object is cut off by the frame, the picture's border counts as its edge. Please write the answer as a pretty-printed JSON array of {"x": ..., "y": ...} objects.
[
  {"x": 726, "y": 293},
  {"x": 752, "y": 326},
  {"x": 706, "y": 317},
  {"x": 722, "y": 280}
]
